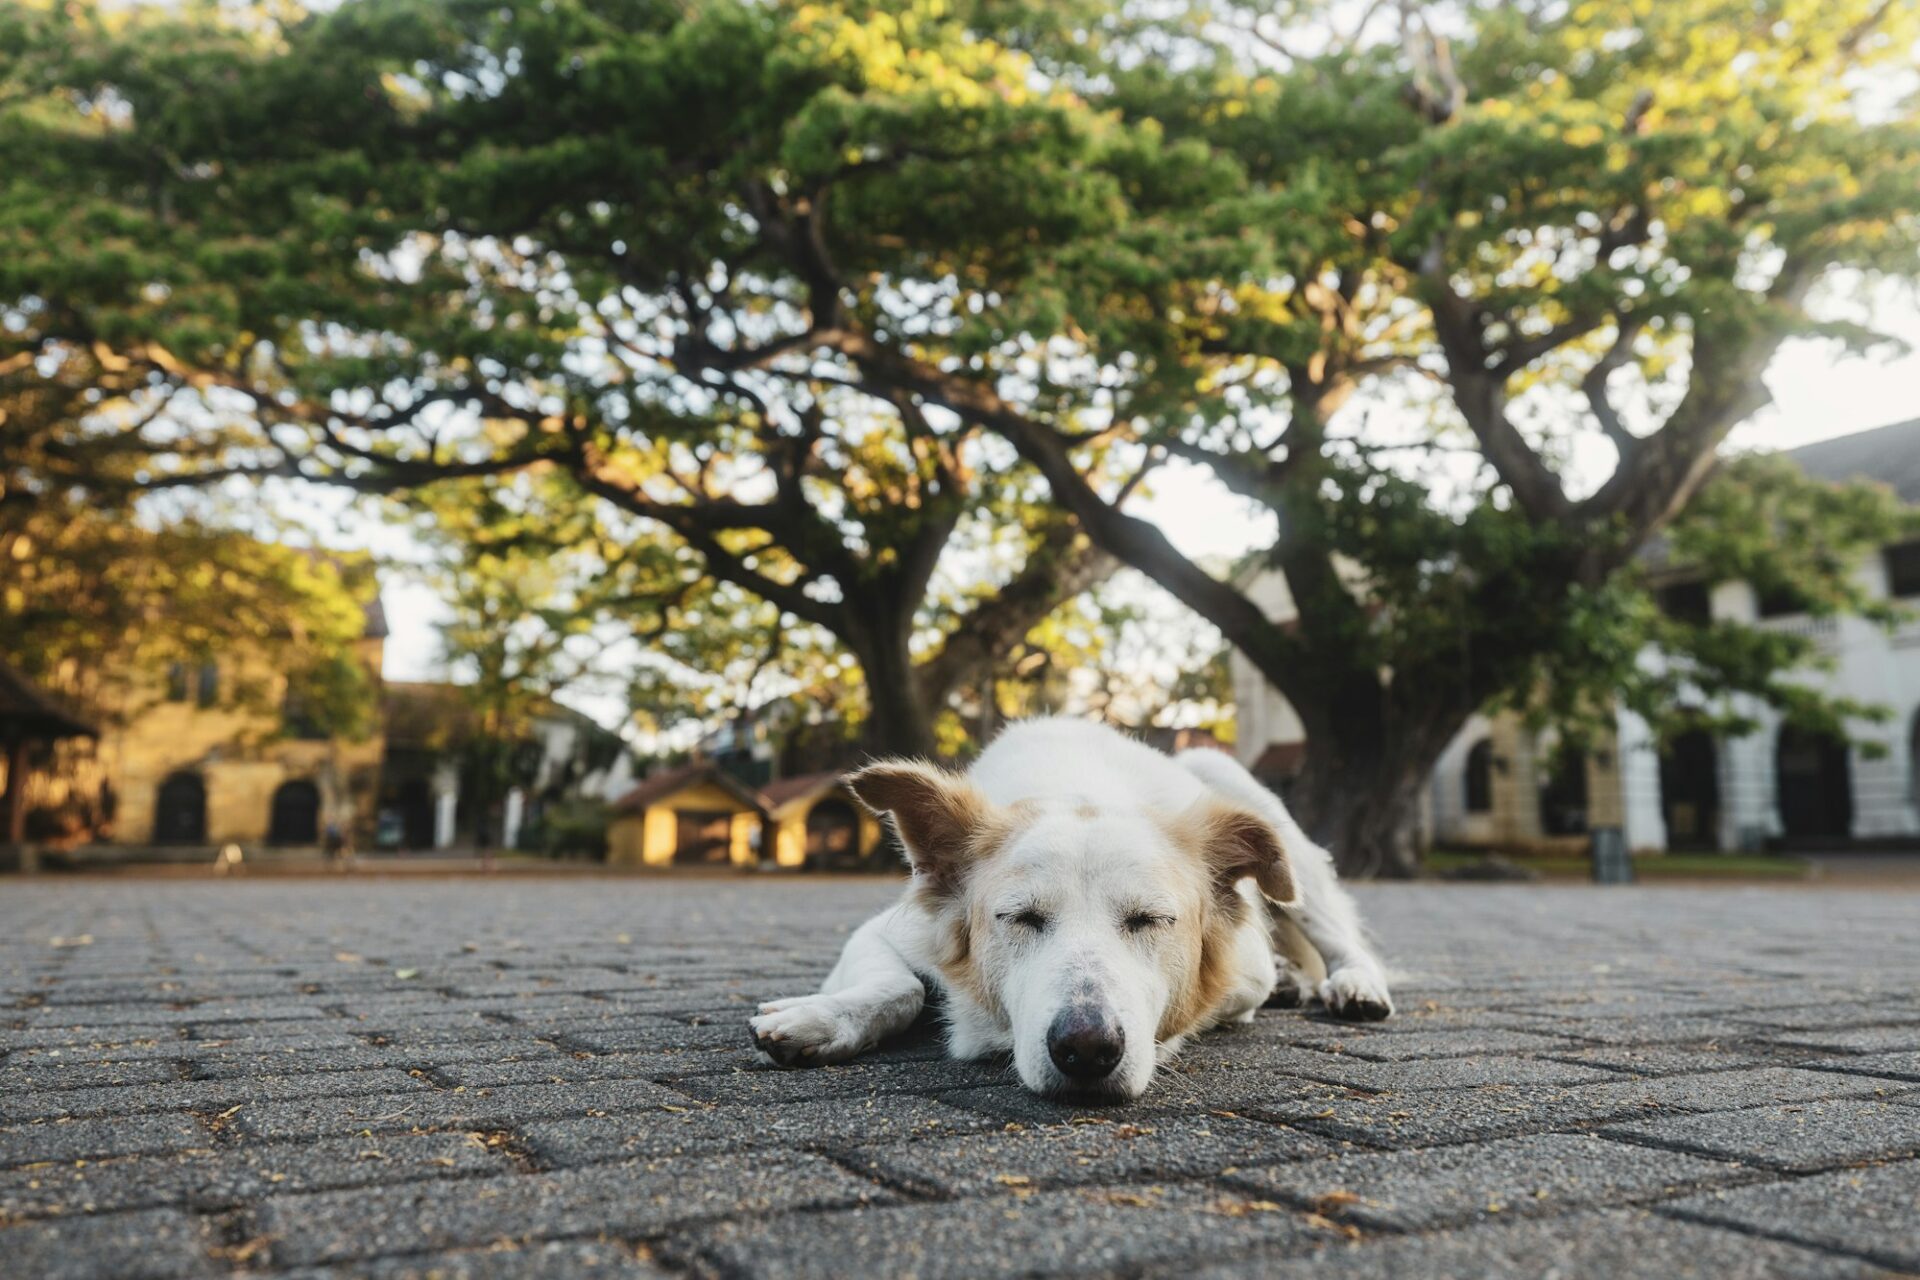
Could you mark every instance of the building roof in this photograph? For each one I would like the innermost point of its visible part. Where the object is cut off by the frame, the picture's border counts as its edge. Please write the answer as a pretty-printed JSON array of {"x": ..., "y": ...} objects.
[
  {"x": 1889, "y": 455},
  {"x": 1281, "y": 760},
  {"x": 670, "y": 781},
  {"x": 27, "y": 707},
  {"x": 784, "y": 792},
  {"x": 376, "y": 612}
]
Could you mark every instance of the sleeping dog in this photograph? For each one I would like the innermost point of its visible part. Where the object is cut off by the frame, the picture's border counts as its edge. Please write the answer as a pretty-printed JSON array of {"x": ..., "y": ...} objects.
[{"x": 1086, "y": 903}]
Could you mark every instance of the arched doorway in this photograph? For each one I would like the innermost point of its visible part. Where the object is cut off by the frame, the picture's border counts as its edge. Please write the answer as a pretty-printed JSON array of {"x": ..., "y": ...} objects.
[
  {"x": 180, "y": 810},
  {"x": 296, "y": 813},
  {"x": 702, "y": 837},
  {"x": 1913, "y": 761},
  {"x": 415, "y": 803},
  {"x": 833, "y": 834},
  {"x": 1814, "y": 785},
  {"x": 1479, "y": 777},
  {"x": 1563, "y": 797},
  {"x": 1690, "y": 791}
]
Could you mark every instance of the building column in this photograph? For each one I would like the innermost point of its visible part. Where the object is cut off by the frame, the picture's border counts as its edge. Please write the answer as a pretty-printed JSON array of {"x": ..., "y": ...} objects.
[
  {"x": 1637, "y": 771},
  {"x": 13, "y": 805},
  {"x": 516, "y": 811}
]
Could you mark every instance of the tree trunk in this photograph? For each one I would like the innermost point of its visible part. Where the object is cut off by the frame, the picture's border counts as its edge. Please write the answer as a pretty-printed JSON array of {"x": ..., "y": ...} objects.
[
  {"x": 1369, "y": 818},
  {"x": 1365, "y": 779},
  {"x": 899, "y": 722}
]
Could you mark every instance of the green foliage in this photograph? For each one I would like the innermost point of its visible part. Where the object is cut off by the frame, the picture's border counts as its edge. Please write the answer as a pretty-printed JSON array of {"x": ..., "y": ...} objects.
[{"x": 795, "y": 282}]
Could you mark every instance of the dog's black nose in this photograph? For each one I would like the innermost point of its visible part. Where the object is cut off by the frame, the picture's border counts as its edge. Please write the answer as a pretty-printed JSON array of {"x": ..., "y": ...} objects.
[{"x": 1084, "y": 1045}]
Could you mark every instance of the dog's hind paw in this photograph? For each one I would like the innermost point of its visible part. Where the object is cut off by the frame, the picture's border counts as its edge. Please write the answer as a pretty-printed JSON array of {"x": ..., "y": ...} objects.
[
  {"x": 1355, "y": 995},
  {"x": 804, "y": 1031},
  {"x": 1292, "y": 989}
]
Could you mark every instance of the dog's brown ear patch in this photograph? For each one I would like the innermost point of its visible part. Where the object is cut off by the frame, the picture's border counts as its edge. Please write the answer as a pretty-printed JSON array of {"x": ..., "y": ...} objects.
[
  {"x": 940, "y": 817},
  {"x": 1238, "y": 843}
]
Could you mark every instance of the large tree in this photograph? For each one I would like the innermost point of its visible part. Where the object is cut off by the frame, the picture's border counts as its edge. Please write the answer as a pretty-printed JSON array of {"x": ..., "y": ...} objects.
[
  {"x": 700, "y": 257},
  {"x": 492, "y": 237}
]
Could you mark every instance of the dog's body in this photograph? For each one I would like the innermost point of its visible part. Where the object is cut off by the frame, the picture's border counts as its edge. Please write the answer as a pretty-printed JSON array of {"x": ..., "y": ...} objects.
[{"x": 1086, "y": 903}]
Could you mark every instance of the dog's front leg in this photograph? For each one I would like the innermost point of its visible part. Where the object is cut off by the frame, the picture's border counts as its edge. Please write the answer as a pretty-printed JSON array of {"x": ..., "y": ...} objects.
[{"x": 871, "y": 994}]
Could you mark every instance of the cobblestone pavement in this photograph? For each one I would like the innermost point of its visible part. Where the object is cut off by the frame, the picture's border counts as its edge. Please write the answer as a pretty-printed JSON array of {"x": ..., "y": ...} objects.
[{"x": 537, "y": 1077}]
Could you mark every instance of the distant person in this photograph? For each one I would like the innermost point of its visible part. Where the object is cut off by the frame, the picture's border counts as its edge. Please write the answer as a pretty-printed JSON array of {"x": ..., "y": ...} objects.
[{"x": 339, "y": 846}]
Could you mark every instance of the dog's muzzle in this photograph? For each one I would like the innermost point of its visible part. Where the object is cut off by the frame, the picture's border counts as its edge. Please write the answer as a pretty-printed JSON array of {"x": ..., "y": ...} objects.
[{"x": 1085, "y": 1044}]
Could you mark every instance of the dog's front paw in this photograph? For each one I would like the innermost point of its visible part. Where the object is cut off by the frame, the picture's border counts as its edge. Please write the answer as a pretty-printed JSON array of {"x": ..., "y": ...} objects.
[
  {"x": 1356, "y": 995},
  {"x": 804, "y": 1031}
]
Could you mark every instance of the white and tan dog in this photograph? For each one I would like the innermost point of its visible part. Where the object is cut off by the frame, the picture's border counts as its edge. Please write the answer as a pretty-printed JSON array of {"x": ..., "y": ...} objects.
[{"x": 1087, "y": 903}]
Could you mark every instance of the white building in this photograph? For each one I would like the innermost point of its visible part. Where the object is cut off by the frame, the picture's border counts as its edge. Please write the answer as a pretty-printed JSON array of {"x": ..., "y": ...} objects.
[{"x": 1497, "y": 784}]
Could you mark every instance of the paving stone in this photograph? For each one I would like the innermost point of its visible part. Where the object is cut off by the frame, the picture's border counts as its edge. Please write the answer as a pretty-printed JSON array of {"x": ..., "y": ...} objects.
[
  {"x": 555, "y": 1067},
  {"x": 1082, "y": 1230},
  {"x": 334, "y": 1117},
  {"x": 1451, "y": 1073},
  {"x": 654, "y": 1037},
  {"x": 200, "y": 1095},
  {"x": 1857, "y": 1040},
  {"x": 158, "y": 1244},
  {"x": 628, "y": 1200},
  {"x": 96, "y": 1039},
  {"x": 1382, "y": 1046},
  {"x": 36, "y": 1075},
  {"x": 1009, "y": 1162},
  {"x": 1430, "y": 1118},
  {"x": 852, "y": 1079},
  {"x": 1228, "y": 1092},
  {"x": 705, "y": 1128},
  {"x": 566, "y": 1087},
  {"x": 222, "y": 1177},
  {"x": 557, "y": 1260},
  {"x": 1547, "y": 1173},
  {"x": 110, "y": 1017},
  {"x": 1683, "y": 1028},
  {"x": 1660, "y": 1060},
  {"x": 44, "y": 1140},
  {"x": 1866, "y": 1212},
  {"x": 1799, "y": 1138},
  {"x": 1615, "y": 1243},
  {"x": 1895, "y": 1066}
]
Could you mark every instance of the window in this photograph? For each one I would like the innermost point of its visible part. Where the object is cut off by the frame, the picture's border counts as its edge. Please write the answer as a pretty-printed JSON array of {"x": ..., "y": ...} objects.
[
  {"x": 1480, "y": 777},
  {"x": 177, "y": 682},
  {"x": 1688, "y": 602},
  {"x": 1779, "y": 601},
  {"x": 1903, "y": 569},
  {"x": 209, "y": 684}
]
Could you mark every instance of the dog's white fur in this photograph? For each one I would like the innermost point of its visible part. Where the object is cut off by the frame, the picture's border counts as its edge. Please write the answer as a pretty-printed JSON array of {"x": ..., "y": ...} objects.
[{"x": 1074, "y": 866}]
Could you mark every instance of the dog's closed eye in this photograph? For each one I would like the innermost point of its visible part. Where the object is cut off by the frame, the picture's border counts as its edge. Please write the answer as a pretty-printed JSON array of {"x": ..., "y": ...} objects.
[
  {"x": 1142, "y": 921},
  {"x": 1027, "y": 918}
]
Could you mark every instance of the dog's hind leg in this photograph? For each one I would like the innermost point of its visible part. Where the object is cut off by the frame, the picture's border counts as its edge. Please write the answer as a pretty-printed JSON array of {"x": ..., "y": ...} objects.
[
  {"x": 1301, "y": 970},
  {"x": 1355, "y": 987},
  {"x": 871, "y": 994}
]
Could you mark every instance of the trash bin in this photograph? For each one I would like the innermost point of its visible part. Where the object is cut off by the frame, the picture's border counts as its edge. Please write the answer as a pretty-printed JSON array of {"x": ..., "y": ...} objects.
[{"x": 1611, "y": 865}]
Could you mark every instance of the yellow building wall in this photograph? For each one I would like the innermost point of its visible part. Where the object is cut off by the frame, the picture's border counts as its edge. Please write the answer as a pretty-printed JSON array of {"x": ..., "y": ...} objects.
[
  {"x": 625, "y": 842},
  {"x": 648, "y": 838},
  {"x": 1516, "y": 819},
  {"x": 790, "y": 837},
  {"x": 237, "y": 754}
]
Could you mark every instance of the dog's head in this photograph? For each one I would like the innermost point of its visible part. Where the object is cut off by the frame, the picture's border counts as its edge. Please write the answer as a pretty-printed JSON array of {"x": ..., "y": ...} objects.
[{"x": 1087, "y": 936}]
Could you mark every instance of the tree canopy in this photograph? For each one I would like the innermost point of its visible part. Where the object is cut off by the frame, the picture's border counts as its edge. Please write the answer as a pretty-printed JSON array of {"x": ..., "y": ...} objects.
[{"x": 1468, "y": 295}]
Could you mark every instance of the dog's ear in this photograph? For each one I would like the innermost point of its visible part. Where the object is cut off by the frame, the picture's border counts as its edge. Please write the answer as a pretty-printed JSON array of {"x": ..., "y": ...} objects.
[
  {"x": 1238, "y": 843},
  {"x": 940, "y": 816}
]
